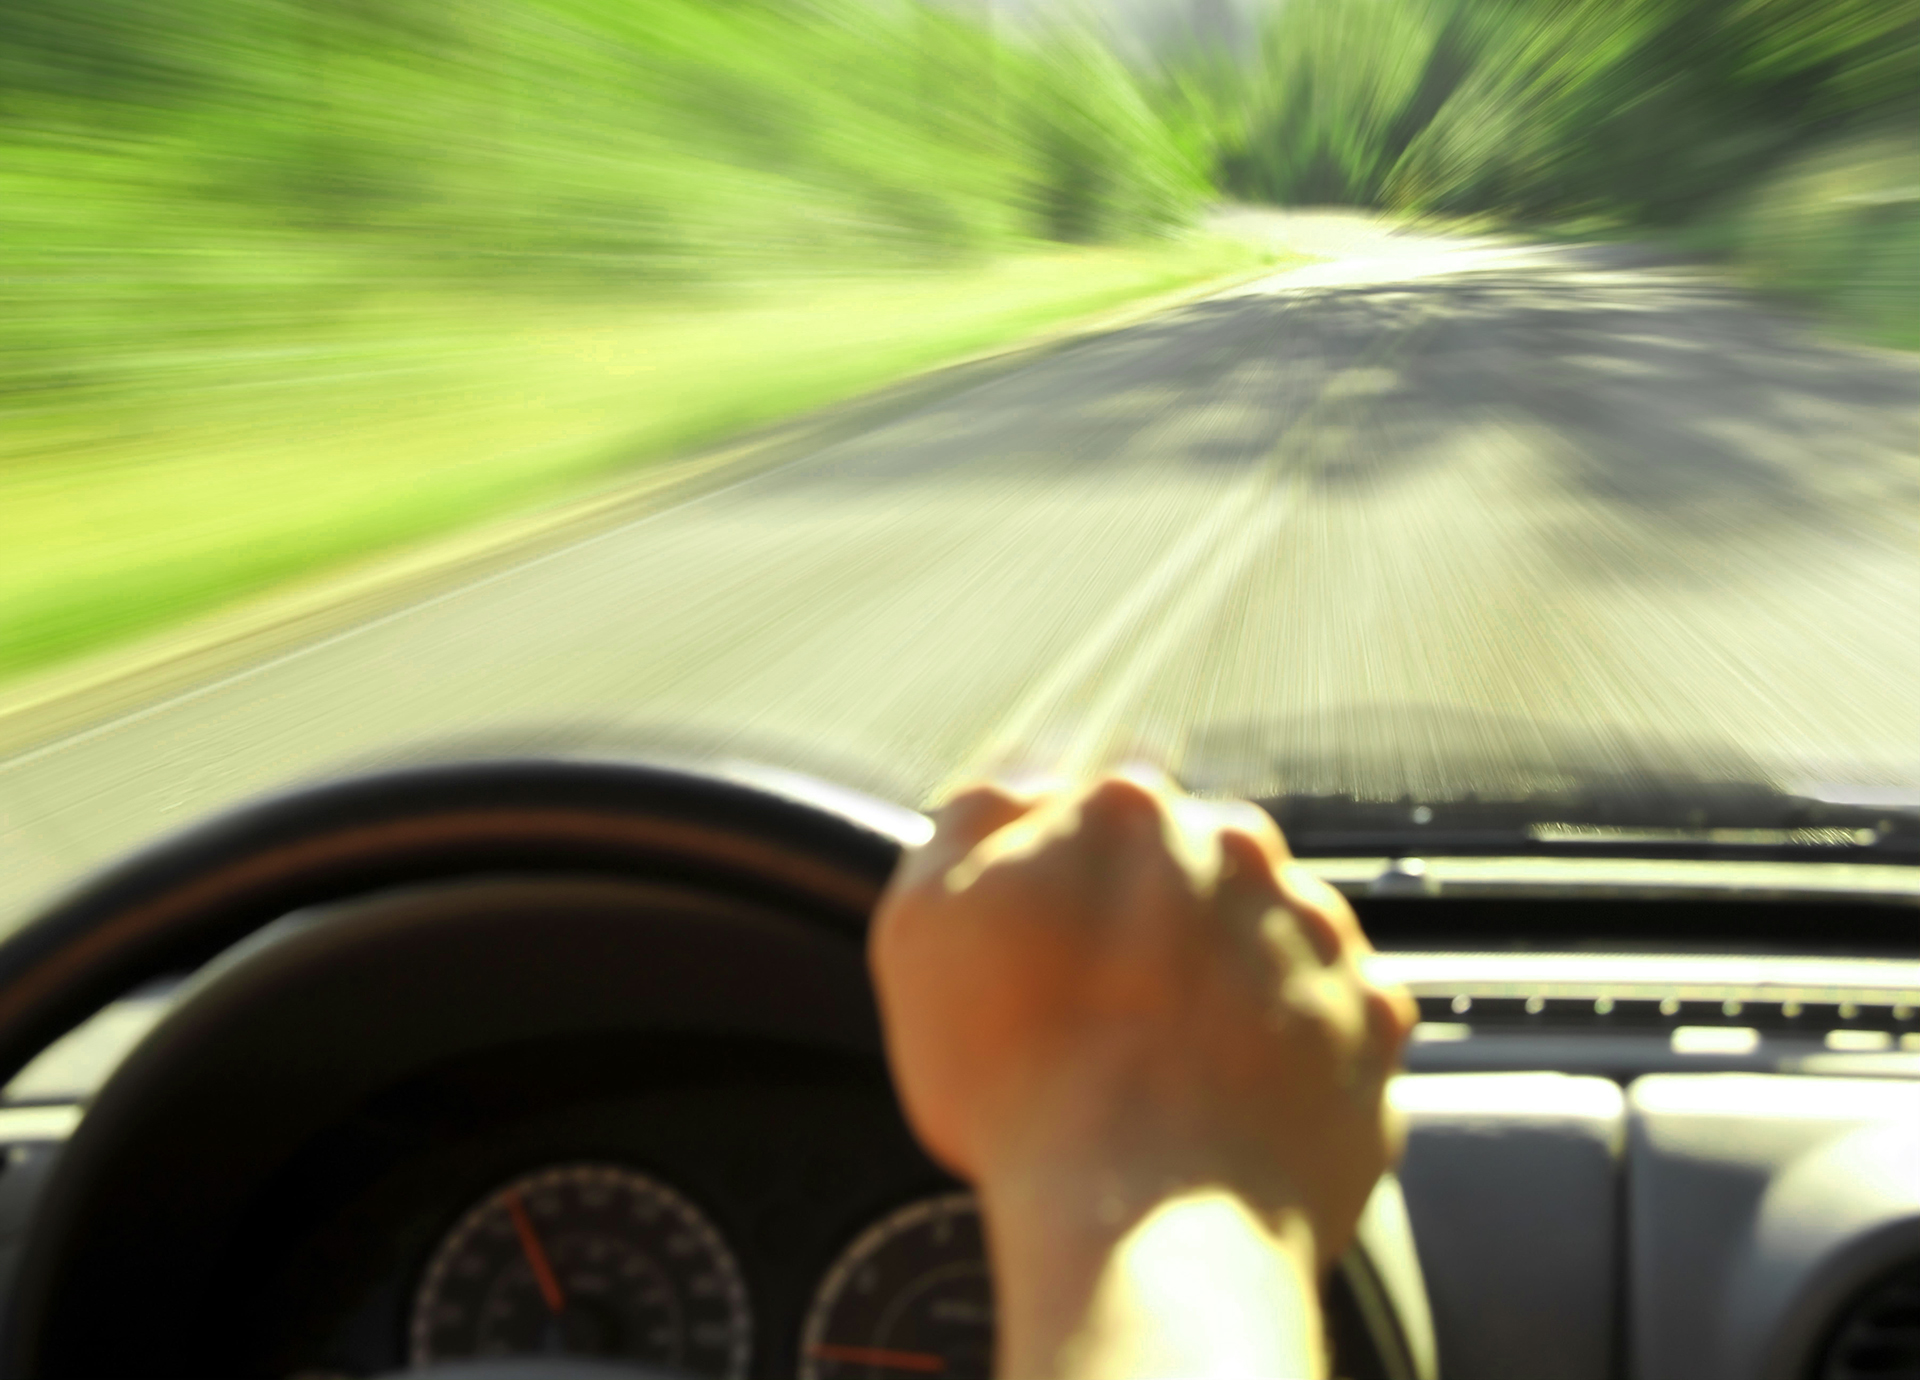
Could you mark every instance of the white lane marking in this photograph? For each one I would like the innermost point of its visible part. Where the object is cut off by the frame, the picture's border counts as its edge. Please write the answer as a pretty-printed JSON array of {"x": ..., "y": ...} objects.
[
  {"x": 1014, "y": 734},
  {"x": 810, "y": 456},
  {"x": 100, "y": 730},
  {"x": 1093, "y": 736},
  {"x": 1105, "y": 638}
]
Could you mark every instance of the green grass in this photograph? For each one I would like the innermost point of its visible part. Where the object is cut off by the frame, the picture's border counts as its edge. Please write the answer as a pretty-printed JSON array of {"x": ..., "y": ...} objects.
[{"x": 226, "y": 469}]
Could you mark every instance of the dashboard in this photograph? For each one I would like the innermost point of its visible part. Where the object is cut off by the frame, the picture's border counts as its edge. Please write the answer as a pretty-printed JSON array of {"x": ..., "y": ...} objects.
[
  {"x": 606, "y": 1119},
  {"x": 1658, "y": 1127}
]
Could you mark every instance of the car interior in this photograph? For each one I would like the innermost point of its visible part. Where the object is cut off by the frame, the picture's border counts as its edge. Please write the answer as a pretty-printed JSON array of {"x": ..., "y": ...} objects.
[{"x": 520, "y": 1060}]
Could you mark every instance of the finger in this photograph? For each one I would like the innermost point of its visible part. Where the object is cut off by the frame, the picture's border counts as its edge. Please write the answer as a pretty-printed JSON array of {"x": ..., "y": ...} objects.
[
  {"x": 1381, "y": 1063},
  {"x": 1255, "y": 915},
  {"x": 1229, "y": 843},
  {"x": 970, "y": 815},
  {"x": 1308, "y": 894},
  {"x": 1392, "y": 1014},
  {"x": 1125, "y": 840},
  {"x": 982, "y": 808},
  {"x": 1196, "y": 838},
  {"x": 1122, "y": 811},
  {"x": 1249, "y": 893},
  {"x": 1247, "y": 818},
  {"x": 1256, "y": 880},
  {"x": 1324, "y": 937},
  {"x": 1385, "y": 1014},
  {"x": 1245, "y": 865},
  {"x": 1393, "y": 1132}
]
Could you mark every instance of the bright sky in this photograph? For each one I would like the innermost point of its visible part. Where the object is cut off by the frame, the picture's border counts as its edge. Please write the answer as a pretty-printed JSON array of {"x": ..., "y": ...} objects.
[{"x": 1147, "y": 25}]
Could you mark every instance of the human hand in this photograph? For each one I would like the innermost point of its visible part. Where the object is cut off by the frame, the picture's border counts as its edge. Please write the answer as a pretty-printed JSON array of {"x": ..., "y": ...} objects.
[{"x": 1098, "y": 1000}]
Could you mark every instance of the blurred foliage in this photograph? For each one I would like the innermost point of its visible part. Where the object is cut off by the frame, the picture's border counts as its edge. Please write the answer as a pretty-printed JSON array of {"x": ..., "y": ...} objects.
[
  {"x": 176, "y": 171},
  {"x": 1779, "y": 132},
  {"x": 1648, "y": 111},
  {"x": 278, "y": 277},
  {"x": 180, "y": 176},
  {"x": 1841, "y": 225}
]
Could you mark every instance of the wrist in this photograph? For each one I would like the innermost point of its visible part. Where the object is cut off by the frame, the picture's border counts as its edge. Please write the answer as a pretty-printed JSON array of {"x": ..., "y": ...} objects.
[
  {"x": 1109, "y": 1149},
  {"x": 1114, "y": 1273}
]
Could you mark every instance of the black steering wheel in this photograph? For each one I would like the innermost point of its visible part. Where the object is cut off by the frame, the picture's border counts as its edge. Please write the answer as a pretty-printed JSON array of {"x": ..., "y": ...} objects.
[{"x": 805, "y": 852}]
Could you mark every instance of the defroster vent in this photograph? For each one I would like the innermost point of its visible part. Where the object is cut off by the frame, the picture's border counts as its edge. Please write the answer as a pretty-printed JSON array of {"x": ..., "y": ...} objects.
[{"x": 1878, "y": 1337}]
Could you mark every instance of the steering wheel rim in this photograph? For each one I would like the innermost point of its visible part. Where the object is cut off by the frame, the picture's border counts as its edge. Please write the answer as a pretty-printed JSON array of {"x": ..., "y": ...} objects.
[
  {"x": 816, "y": 849},
  {"x": 816, "y": 852}
]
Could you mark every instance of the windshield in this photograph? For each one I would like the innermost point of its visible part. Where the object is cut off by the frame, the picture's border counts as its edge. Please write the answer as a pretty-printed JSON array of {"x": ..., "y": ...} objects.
[{"x": 1421, "y": 399}]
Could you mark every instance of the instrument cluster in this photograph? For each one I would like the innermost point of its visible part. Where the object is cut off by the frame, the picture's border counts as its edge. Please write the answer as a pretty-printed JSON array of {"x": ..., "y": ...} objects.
[{"x": 603, "y": 1261}]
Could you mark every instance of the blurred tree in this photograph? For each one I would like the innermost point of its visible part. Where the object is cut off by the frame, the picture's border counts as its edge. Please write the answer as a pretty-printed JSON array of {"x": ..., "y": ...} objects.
[
  {"x": 1649, "y": 110},
  {"x": 174, "y": 167}
]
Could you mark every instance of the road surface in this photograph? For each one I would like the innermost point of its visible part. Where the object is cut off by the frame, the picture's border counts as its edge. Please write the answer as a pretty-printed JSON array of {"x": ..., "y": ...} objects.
[{"x": 1437, "y": 514}]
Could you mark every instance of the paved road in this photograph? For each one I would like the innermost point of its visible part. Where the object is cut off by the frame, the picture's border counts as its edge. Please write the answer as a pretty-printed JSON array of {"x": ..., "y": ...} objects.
[{"x": 1438, "y": 513}]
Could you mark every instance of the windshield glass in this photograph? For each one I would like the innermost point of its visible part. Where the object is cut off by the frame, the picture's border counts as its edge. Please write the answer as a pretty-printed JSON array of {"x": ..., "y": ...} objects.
[{"x": 1388, "y": 398}]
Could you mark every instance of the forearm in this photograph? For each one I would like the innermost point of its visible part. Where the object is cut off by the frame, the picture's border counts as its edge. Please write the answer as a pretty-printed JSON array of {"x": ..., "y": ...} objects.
[{"x": 1192, "y": 1283}]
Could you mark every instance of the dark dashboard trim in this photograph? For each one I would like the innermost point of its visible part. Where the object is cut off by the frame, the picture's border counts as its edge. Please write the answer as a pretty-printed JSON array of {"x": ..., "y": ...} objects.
[{"x": 327, "y": 1017}]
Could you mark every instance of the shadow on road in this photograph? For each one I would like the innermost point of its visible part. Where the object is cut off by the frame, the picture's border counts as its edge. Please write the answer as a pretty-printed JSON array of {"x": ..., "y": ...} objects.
[{"x": 1663, "y": 394}]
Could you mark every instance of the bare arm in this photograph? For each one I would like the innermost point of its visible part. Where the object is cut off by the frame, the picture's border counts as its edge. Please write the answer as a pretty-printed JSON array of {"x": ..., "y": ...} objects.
[{"x": 1140, "y": 1031}]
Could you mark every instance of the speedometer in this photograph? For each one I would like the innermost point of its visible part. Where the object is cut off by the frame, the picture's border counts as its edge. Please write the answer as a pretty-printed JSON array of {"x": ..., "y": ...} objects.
[
  {"x": 910, "y": 1296},
  {"x": 590, "y": 1260}
]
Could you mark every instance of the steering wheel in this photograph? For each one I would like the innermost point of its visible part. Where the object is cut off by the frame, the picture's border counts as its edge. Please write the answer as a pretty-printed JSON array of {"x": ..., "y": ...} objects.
[
  {"x": 786, "y": 846},
  {"x": 279, "y": 908}
]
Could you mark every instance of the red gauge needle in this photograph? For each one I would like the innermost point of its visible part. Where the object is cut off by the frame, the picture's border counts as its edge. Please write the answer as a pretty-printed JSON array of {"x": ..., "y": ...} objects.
[
  {"x": 536, "y": 1254},
  {"x": 923, "y": 1361}
]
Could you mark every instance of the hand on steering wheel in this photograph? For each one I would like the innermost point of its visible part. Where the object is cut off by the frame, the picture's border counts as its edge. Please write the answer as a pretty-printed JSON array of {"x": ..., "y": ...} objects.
[{"x": 1099, "y": 1001}]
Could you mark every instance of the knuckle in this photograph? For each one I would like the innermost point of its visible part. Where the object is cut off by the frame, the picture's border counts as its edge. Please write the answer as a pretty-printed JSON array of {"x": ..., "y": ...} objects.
[
  {"x": 1256, "y": 824},
  {"x": 968, "y": 817},
  {"x": 1285, "y": 941},
  {"x": 1391, "y": 1016},
  {"x": 1305, "y": 888},
  {"x": 1327, "y": 1006},
  {"x": 1406, "y": 1011},
  {"x": 972, "y": 802},
  {"x": 1310, "y": 896},
  {"x": 1318, "y": 929},
  {"x": 1246, "y": 861},
  {"x": 1119, "y": 804}
]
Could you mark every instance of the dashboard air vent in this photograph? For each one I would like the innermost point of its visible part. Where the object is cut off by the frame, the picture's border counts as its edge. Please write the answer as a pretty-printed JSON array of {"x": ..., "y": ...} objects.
[{"x": 1878, "y": 1337}]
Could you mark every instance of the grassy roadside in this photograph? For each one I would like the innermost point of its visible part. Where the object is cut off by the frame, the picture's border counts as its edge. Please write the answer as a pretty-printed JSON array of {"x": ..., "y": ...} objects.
[{"x": 245, "y": 464}]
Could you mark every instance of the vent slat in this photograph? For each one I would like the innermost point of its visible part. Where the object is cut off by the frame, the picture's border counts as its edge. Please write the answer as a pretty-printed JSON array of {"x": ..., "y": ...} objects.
[{"x": 1878, "y": 1336}]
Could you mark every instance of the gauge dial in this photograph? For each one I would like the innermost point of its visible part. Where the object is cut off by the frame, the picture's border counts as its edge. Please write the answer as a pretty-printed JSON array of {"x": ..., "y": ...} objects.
[
  {"x": 585, "y": 1260},
  {"x": 910, "y": 1296}
]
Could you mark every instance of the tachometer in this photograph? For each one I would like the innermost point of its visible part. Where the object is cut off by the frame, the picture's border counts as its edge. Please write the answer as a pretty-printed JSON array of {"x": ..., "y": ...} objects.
[
  {"x": 589, "y": 1260},
  {"x": 910, "y": 1296}
]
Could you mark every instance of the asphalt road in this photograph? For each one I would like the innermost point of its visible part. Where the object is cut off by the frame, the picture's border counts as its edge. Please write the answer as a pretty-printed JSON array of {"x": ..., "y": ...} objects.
[{"x": 1436, "y": 515}]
